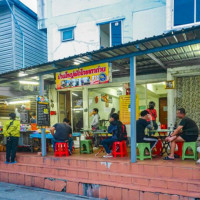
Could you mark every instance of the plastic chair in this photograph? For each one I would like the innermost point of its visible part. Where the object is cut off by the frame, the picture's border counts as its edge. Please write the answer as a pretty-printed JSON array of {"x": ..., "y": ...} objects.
[
  {"x": 142, "y": 147},
  {"x": 193, "y": 146},
  {"x": 86, "y": 146},
  {"x": 61, "y": 149},
  {"x": 119, "y": 149}
]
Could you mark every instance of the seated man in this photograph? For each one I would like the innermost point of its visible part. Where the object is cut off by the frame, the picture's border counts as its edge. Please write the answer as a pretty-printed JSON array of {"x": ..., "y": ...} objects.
[
  {"x": 187, "y": 131},
  {"x": 141, "y": 124},
  {"x": 114, "y": 129},
  {"x": 62, "y": 132}
]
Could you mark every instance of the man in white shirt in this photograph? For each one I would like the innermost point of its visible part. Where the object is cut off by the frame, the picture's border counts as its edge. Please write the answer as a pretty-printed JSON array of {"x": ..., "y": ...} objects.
[
  {"x": 95, "y": 119},
  {"x": 95, "y": 124}
]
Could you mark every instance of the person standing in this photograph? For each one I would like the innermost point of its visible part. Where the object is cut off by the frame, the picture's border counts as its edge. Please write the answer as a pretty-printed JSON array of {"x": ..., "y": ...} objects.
[
  {"x": 95, "y": 125},
  {"x": 62, "y": 132},
  {"x": 187, "y": 131},
  {"x": 95, "y": 119},
  {"x": 152, "y": 111},
  {"x": 11, "y": 131}
]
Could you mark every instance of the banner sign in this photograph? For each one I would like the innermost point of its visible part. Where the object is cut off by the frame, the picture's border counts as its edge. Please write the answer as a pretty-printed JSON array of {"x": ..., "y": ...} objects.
[
  {"x": 91, "y": 75},
  {"x": 43, "y": 111}
]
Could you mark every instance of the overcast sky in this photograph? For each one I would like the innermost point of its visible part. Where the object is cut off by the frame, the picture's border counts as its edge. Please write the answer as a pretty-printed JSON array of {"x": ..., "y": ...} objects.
[{"x": 32, "y": 4}]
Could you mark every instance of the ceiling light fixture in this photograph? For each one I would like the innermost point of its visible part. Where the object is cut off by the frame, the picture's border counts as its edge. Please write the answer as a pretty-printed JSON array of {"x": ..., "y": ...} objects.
[
  {"x": 18, "y": 102},
  {"x": 22, "y": 74},
  {"x": 74, "y": 94},
  {"x": 115, "y": 70},
  {"x": 29, "y": 82}
]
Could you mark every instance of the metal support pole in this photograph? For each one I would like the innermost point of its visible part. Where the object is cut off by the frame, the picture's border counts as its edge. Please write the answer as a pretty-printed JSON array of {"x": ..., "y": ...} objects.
[
  {"x": 133, "y": 108},
  {"x": 43, "y": 130},
  {"x": 23, "y": 54}
]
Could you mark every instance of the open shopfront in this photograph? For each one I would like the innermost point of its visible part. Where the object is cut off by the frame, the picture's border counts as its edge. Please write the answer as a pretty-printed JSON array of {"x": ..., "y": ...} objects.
[
  {"x": 109, "y": 97},
  {"x": 154, "y": 55},
  {"x": 30, "y": 112}
]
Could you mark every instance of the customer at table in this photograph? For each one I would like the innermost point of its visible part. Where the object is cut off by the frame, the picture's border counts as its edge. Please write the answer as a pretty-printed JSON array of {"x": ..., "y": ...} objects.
[
  {"x": 114, "y": 128},
  {"x": 187, "y": 131},
  {"x": 145, "y": 121},
  {"x": 11, "y": 131},
  {"x": 152, "y": 111},
  {"x": 62, "y": 132}
]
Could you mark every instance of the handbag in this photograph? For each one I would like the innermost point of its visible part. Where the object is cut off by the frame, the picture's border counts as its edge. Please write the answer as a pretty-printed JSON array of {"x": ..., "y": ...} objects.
[{"x": 11, "y": 123}]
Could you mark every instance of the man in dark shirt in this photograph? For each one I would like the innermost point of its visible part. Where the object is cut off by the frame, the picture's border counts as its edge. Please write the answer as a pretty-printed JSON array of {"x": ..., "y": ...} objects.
[
  {"x": 187, "y": 131},
  {"x": 141, "y": 125},
  {"x": 62, "y": 132}
]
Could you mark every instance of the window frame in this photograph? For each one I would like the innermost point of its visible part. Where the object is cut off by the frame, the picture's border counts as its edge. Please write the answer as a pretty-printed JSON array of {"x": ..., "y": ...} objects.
[
  {"x": 67, "y": 29},
  {"x": 184, "y": 25},
  {"x": 110, "y": 22}
]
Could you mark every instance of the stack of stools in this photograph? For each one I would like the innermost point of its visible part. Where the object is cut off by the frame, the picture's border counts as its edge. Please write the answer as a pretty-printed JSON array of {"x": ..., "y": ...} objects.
[
  {"x": 86, "y": 146},
  {"x": 61, "y": 149},
  {"x": 119, "y": 149}
]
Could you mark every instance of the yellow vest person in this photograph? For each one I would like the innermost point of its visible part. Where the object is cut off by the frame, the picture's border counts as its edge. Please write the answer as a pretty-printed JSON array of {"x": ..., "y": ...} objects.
[{"x": 11, "y": 130}]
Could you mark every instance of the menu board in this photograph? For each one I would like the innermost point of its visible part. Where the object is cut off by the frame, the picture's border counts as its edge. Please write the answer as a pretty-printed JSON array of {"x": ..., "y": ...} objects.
[
  {"x": 125, "y": 108},
  {"x": 43, "y": 111}
]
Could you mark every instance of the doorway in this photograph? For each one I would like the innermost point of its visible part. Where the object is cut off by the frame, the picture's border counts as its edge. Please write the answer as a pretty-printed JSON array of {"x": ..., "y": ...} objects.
[{"x": 163, "y": 110}]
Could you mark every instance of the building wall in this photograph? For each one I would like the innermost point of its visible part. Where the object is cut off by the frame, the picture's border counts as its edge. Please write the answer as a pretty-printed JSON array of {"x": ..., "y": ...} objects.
[
  {"x": 6, "y": 42},
  {"x": 35, "y": 40},
  {"x": 85, "y": 15},
  {"x": 11, "y": 53}
]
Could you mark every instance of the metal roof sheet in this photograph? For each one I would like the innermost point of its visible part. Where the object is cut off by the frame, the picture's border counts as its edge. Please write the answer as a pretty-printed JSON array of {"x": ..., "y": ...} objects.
[{"x": 154, "y": 55}]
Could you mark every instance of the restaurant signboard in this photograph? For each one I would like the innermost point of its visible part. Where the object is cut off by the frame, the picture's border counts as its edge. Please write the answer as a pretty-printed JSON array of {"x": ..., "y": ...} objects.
[{"x": 91, "y": 75}]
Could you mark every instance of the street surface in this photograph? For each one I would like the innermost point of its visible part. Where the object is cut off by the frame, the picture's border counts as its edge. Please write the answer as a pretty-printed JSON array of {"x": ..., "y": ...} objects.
[{"x": 18, "y": 192}]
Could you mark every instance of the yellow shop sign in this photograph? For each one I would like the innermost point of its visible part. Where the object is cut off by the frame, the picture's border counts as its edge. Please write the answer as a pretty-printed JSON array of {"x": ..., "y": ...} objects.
[{"x": 91, "y": 75}]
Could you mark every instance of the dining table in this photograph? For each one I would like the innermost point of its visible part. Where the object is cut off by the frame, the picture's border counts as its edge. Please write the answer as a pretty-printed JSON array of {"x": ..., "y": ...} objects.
[{"x": 162, "y": 134}]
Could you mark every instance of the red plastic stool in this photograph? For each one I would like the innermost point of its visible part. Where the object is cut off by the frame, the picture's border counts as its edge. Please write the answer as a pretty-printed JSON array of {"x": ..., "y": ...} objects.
[
  {"x": 158, "y": 148},
  {"x": 61, "y": 149},
  {"x": 179, "y": 150},
  {"x": 119, "y": 148}
]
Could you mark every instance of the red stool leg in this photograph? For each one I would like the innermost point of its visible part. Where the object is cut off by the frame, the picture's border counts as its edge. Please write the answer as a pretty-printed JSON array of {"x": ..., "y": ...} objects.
[
  {"x": 60, "y": 150},
  {"x": 125, "y": 149},
  {"x": 114, "y": 149},
  {"x": 121, "y": 149}
]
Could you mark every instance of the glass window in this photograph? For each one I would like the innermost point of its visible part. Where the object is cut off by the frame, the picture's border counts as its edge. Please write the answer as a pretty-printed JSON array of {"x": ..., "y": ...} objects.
[
  {"x": 67, "y": 34},
  {"x": 183, "y": 12}
]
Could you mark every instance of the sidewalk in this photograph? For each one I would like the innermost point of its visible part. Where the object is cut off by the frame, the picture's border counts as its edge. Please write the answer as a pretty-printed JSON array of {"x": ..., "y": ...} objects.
[{"x": 18, "y": 192}]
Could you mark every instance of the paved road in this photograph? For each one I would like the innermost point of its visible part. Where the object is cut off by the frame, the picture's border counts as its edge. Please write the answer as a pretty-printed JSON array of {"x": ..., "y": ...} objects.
[{"x": 18, "y": 192}]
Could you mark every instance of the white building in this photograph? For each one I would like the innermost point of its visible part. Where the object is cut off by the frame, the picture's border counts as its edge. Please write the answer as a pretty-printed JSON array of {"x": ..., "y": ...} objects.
[{"x": 79, "y": 26}]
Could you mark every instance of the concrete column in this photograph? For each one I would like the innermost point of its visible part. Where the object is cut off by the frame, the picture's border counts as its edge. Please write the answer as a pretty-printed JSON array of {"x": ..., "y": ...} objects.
[
  {"x": 171, "y": 102},
  {"x": 85, "y": 108}
]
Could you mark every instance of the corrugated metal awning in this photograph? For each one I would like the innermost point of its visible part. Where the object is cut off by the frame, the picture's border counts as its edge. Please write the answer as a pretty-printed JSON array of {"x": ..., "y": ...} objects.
[{"x": 154, "y": 55}]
